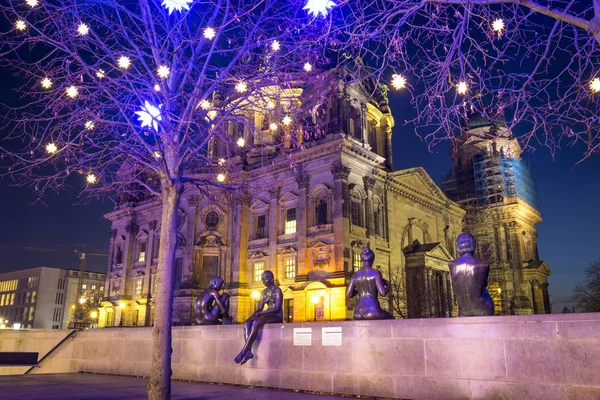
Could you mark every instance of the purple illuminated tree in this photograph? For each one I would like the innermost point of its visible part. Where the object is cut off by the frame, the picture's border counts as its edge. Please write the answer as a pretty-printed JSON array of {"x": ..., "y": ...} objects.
[
  {"x": 132, "y": 98},
  {"x": 536, "y": 64}
]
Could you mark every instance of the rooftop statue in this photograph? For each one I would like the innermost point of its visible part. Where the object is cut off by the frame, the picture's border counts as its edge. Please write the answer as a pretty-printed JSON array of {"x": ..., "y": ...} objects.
[
  {"x": 469, "y": 280},
  {"x": 367, "y": 283},
  {"x": 212, "y": 308},
  {"x": 273, "y": 299}
]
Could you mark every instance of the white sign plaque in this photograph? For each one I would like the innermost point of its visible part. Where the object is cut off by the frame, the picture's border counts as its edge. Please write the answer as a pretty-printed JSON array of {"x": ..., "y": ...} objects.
[
  {"x": 302, "y": 336},
  {"x": 332, "y": 336}
]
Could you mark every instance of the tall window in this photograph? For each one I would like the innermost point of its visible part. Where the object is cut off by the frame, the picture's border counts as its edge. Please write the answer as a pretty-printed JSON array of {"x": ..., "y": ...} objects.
[
  {"x": 356, "y": 211},
  {"x": 260, "y": 226},
  {"x": 356, "y": 261},
  {"x": 290, "y": 268},
  {"x": 139, "y": 284},
  {"x": 33, "y": 296},
  {"x": 142, "y": 253},
  {"x": 259, "y": 268},
  {"x": 321, "y": 212},
  {"x": 290, "y": 221}
]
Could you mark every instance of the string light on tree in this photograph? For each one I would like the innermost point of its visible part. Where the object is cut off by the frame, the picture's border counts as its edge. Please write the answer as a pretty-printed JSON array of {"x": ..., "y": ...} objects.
[
  {"x": 205, "y": 104},
  {"x": 212, "y": 114},
  {"x": 100, "y": 74},
  {"x": 163, "y": 72},
  {"x": 398, "y": 82},
  {"x": 46, "y": 83},
  {"x": 286, "y": 120},
  {"x": 462, "y": 87},
  {"x": 51, "y": 148},
  {"x": 221, "y": 161},
  {"x": 307, "y": 67},
  {"x": 241, "y": 142},
  {"x": 270, "y": 105},
  {"x": 209, "y": 33},
  {"x": 90, "y": 125},
  {"x": 124, "y": 62},
  {"x": 273, "y": 126},
  {"x": 275, "y": 45},
  {"x": 91, "y": 179},
  {"x": 157, "y": 155},
  {"x": 241, "y": 87},
  {"x": 176, "y": 5},
  {"x": 20, "y": 25},
  {"x": 83, "y": 29},
  {"x": 72, "y": 92},
  {"x": 32, "y": 3},
  {"x": 221, "y": 177},
  {"x": 595, "y": 85},
  {"x": 149, "y": 115},
  {"x": 498, "y": 25},
  {"x": 157, "y": 87},
  {"x": 316, "y": 7}
]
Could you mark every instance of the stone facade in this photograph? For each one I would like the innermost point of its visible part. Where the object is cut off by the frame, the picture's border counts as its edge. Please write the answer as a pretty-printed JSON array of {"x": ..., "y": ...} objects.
[
  {"x": 305, "y": 214},
  {"x": 492, "y": 183}
]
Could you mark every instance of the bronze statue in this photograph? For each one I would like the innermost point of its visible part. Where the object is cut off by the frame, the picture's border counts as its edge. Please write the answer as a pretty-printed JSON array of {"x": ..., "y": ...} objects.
[
  {"x": 469, "y": 280},
  {"x": 212, "y": 308},
  {"x": 367, "y": 283},
  {"x": 273, "y": 298}
]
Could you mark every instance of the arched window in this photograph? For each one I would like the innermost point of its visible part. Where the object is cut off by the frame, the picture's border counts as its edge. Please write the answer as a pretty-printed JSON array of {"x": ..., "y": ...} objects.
[
  {"x": 357, "y": 211},
  {"x": 321, "y": 211}
]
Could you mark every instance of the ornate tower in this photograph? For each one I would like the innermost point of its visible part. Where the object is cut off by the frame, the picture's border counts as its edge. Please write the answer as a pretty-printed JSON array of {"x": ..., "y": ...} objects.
[{"x": 489, "y": 179}]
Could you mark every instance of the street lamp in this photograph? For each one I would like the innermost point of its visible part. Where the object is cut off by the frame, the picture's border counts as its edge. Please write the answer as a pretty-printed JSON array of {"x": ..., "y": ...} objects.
[
  {"x": 255, "y": 295},
  {"x": 315, "y": 300},
  {"x": 122, "y": 307}
]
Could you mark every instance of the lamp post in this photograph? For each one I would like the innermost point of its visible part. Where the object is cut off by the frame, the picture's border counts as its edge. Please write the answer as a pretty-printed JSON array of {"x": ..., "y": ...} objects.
[
  {"x": 255, "y": 295},
  {"x": 315, "y": 300},
  {"x": 122, "y": 307},
  {"x": 94, "y": 315}
]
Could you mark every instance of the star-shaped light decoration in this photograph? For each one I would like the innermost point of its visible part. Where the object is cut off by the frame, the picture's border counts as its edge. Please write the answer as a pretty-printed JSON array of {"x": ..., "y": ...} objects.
[
  {"x": 241, "y": 87},
  {"x": 83, "y": 29},
  {"x": 51, "y": 148},
  {"x": 307, "y": 67},
  {"x": 595, "y": 85},
  {"x": 157, "y": 87},
  {"x": 20, "y": 25},
  {"x": 212, "y": 114},
  {"x": 205, "y": 104},
  {"x": 124, "y": 62},
  {"x": 163, "y": 72},
  {"x": 221, "y": 177},
  {"x": 498, "y": 25},
  {"x": 273, "y": 126},
  {"x": 178, "y": 5},
  {"x": 46, "y": 83},
  {"x": 462, "y": 87},
  {"x": 270, "y": 105},
  {"x": 286, "y": 120},
  {"x": 100, "y": 74},
  {"x": 241, "y": 142},
  {"x": 221, "y": 161},
  {"x": 275, "y": 45},
  {"x": 149, "y": 115},
  {"x": 72, "y": 92},
  {"x": 316, "y": 7},
  {"x": 398, "y": 81},
  {"x": 32, "y": 3},
  {"x": 91, "y": 178},
  {"x": 209, "y": 33},
  {"x": 90, "y": 125}
]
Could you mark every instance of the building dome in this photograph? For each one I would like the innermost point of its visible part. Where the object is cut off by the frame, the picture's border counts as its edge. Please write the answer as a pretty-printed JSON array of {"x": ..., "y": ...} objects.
[{"x": 477, "y": 120}]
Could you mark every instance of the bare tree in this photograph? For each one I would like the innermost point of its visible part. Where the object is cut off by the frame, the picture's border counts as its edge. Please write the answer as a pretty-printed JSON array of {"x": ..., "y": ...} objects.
[
  {"x": 397, "y": 301},
  {"x": 534, "y": 64},
  {"x": 148, "y": 98},
  {"x": 587, "y": 294}
]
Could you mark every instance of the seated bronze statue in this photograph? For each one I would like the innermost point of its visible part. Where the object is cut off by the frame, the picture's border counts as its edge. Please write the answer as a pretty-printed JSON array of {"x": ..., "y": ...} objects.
[
  {"x": 212, "y": 308},
  {"x": 469, "y": 280},
  {"x": 367, "y": 283},
  {"x": 273, "y": 299}
]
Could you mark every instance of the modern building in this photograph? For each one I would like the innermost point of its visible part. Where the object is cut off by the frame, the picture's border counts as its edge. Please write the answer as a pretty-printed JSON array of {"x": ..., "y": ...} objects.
[
  {"x": 45, "y": 297},
  {"x": 306, "y": 213},
  {"x": 491, "y": 182}
]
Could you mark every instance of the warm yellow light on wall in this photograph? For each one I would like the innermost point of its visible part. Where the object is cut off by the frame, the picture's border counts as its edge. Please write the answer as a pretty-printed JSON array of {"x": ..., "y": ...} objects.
[
  {"x": 255, "y": 294},
  {"x": 121, "y": 305},
  {"x": 315, "y": 299}
]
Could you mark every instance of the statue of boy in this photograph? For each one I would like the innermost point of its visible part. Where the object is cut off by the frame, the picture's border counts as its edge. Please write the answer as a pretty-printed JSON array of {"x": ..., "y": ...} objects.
[
  {"x": 273, "y": 298},
  {"x": 367, "y": 283},
  {"x": 469, "y": 280},
  {"x": 212, "y": 308}
]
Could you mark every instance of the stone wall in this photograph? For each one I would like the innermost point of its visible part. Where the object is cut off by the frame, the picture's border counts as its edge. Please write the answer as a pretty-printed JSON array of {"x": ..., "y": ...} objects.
[{"x": 529, "y": 357}]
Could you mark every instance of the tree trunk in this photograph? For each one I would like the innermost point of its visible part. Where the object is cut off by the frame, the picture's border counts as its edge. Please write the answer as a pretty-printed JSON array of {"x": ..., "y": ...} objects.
[{"x": 159, "y": 387}]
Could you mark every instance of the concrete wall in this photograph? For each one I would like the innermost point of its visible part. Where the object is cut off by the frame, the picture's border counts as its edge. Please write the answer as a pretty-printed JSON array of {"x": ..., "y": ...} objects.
[{"x": 526, "y": 357}]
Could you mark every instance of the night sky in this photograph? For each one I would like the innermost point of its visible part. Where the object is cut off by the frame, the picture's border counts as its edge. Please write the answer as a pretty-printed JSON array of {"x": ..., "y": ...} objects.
[{"x": 568, "y": 197}]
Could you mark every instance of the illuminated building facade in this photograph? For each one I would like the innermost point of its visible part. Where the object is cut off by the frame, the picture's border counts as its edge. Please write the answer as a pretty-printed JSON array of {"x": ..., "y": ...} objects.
[{"x": 307, "y": 211}]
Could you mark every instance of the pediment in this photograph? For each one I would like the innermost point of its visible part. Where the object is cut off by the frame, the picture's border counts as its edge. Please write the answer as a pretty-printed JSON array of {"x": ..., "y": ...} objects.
[
  {"x": 419, "y": 180},
  {"x": 434, "y": 250},
  {"x": 258, "y": 254},
  {"x": 288, "y": 197},
  {"x": 258, "y": 205},
  {"x": 317, "y": 244}
]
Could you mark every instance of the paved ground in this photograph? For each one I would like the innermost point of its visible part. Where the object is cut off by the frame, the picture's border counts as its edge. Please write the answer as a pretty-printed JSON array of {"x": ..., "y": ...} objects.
[{"x": 109, "y": 387}]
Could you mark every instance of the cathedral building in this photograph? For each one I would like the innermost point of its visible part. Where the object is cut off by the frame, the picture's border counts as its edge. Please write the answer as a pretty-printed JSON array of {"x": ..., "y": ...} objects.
[
  {"x": 306, "y": 213},
  {"x": 491, "y": 182}
]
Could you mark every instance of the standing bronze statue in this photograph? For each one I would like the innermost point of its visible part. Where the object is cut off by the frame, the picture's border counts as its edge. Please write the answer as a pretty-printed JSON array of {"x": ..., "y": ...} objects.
[
  {"x": 212, "y": 308},
  {"x": 367, "y": 283},
  {"x": 469, "y": 280},
  {"x": 273, "y": 299}
]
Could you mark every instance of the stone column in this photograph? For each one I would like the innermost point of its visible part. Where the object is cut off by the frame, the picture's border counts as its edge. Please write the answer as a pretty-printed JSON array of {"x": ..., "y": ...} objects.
[
  {"x": 450, "y": 300},
  {"x": 128, "y": 256},
  {"x": 538, "y": 298},
  {"x": 547, "y": 309},
  {"x": 364, "y": 133},
  {"x": 429, "y": 295},
  {"x": 111, "y": 261},
  {"x": 444, "y": 295},
  {"x": 302, "y": 179},
  {"x": 272, "y": 228},
  {"x": 339, "y": 212}
]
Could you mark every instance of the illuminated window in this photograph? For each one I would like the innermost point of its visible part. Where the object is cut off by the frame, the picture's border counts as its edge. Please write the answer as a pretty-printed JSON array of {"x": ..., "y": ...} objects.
[
  {"x": 12, "y": 299},
  {"x": 93, "y": 287},
  {"x": 356, "y": 212},
  {"x": 259, "y": 268},
  {"x": 33, "y": 295},
  {"x": 356, "y": 261},
  {"x": 84, "y": 286},
  {"x": 28, "y": 298},
  {"x": 142, "y": 253},
  {"x": 261, "y": 227},
  {"x": 139, "y": 283},
  {"x": 2, "y": 300},
  {"x": 290, "y": 268},
  {"x": 290, "y": 221},
  {"x": 102, "y": 288}
]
